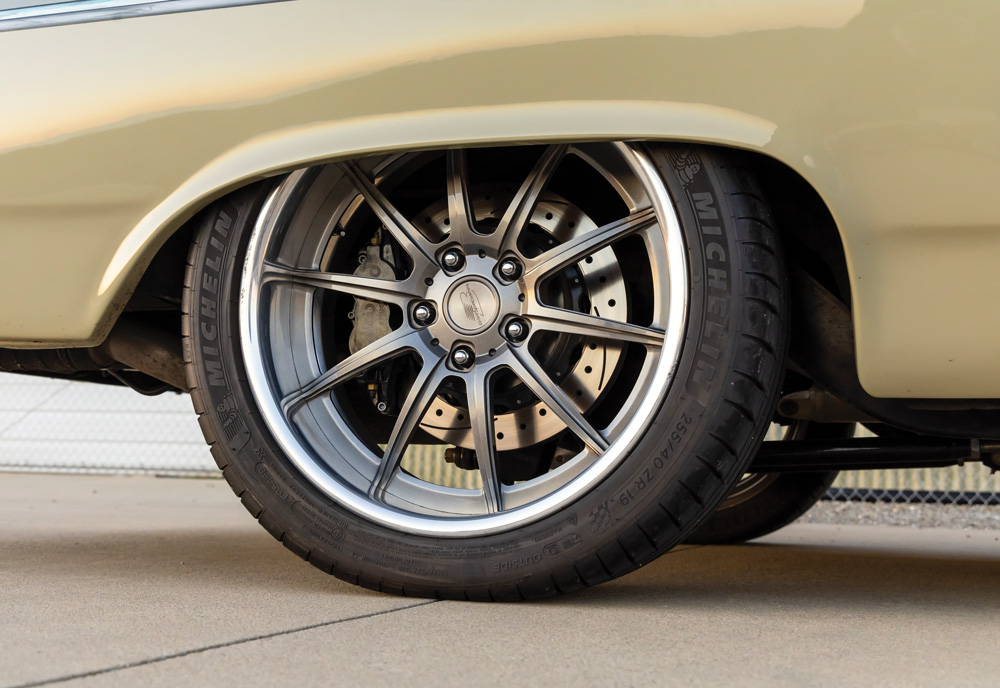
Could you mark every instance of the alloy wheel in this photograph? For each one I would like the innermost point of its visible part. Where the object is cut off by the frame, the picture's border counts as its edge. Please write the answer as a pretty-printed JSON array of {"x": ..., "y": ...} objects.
[{"x": 401, "y": 300}]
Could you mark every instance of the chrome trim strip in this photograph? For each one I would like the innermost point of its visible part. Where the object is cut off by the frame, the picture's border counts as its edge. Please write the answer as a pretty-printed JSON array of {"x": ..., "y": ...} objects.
[{"x": 85, "y": 11}]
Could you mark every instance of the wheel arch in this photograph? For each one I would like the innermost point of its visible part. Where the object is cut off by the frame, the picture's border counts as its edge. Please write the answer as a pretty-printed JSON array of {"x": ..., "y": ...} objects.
[{"x": 150, "y": 250}]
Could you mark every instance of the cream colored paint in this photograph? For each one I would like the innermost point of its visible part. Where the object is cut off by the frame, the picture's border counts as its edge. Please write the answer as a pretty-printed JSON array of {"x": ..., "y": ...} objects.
[
  {"x": 112, "y": 134},
  {"x": 535, "y": 122}
]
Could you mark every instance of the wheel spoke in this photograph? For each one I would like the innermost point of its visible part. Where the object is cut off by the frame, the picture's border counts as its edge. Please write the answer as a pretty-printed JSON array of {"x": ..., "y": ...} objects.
[
  {"x": 409, "y": 237},
  {"x": 483, "y": 434},
  {"x": 418, "y": 400},
  {"x": 461, "y": 217},
  {"x": 573, "y": 322},
  {"x": 578, "y": 248},
  {"x": 549, "y": 393},
  {"x": 519, "y": 212},
  {"x": 398, "y": 292},
  {"x": 392, "y": 345}
]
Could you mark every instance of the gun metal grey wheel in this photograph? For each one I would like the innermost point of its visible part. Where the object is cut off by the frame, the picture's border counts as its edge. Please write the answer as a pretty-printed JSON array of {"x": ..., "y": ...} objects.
[{"x": 491, "y": 373}]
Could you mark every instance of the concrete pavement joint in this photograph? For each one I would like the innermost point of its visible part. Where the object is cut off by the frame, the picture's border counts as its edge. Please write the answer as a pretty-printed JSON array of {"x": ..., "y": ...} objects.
[{"x": 216, "y": 646}]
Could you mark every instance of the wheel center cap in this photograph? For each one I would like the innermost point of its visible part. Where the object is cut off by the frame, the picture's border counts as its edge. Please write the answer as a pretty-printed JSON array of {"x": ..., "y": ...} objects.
[{"x": 471, "y": 305}]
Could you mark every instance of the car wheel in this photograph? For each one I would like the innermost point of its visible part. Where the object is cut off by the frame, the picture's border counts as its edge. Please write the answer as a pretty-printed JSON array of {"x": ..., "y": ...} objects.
[
  {"x": 761, "y": 503},
  {"x": 488, "y": 374}
]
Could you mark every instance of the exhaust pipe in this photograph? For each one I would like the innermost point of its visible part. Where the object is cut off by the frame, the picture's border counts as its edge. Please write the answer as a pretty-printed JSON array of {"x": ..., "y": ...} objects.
[
  {"x": 142, "y": 346},
  {"x": 147, "y": 349}
]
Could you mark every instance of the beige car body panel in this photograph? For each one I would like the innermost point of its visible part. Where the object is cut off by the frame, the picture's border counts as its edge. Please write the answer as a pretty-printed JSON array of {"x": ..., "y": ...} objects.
[{"x": 112, "y": 134}]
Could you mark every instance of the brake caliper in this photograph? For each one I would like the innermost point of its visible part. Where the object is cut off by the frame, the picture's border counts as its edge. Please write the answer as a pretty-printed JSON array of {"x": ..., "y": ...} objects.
[{"x": 371, "y": 322}]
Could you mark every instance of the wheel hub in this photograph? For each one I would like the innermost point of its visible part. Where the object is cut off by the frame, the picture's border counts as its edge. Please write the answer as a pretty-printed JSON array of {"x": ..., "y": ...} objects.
[
  {"x": 529, "y": 421},
  {"x": 472, "y": 305}
]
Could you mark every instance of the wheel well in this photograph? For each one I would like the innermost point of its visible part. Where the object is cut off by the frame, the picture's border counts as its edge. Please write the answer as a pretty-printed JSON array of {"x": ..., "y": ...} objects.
[
  {"x": 811, "y": 238},
  {"x": 809, "y": 233},
  {"x": 157, "y": 298}
]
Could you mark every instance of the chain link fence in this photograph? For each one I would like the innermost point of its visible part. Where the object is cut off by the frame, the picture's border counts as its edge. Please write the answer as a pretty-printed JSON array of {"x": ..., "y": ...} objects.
[
  {"x": 972, "y": 484},
  {"x": 56, "y": 425}
]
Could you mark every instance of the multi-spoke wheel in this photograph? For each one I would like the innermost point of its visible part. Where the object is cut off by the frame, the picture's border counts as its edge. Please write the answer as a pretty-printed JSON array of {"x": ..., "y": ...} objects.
[{"x": 492, "y": 372}]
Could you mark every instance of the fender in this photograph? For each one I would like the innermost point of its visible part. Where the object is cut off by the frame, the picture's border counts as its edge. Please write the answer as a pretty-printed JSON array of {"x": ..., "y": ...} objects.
[
  {"x": 873, "y": 104},
  {"x": 539, "y": 122}
]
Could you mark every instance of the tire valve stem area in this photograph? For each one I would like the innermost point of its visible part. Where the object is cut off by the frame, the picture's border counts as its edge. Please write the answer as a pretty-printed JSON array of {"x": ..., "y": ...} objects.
[{"x": 462, "y": 458}]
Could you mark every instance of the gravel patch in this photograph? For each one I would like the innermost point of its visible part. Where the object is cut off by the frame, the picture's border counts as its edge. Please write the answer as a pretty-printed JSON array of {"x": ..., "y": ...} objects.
[{"x": 907, "y": 515}]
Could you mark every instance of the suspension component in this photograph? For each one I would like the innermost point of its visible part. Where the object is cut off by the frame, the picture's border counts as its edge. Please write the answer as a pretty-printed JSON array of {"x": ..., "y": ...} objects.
[{"x": 865, "y": 453}]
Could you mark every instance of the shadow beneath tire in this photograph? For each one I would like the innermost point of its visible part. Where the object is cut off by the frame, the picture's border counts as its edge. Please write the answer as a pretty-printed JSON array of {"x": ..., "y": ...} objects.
[
  {"x": 206, "y": 560},
  {"x": 815, "y": 577}
]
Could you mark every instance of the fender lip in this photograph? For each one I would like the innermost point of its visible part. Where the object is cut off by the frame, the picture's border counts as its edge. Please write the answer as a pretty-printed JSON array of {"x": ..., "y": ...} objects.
[
  {"x": 87, "y": 11},
  {"x": 282, "y": 151}
]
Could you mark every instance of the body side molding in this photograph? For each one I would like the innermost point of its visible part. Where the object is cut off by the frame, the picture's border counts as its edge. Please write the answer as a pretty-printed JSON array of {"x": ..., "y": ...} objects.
[{"x": 85, "y": 11}]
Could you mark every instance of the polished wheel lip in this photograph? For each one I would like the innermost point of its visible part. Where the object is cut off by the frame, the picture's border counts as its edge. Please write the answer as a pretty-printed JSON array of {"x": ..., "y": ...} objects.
[{"x": 252, "y": 341}]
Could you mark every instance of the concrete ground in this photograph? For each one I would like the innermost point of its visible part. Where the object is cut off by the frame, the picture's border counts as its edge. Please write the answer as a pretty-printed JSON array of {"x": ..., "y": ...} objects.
[{"x": 122, "y": 581}]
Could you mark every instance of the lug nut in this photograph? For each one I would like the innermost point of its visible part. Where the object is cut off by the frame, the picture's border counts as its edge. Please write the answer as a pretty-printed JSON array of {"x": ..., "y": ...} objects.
[
  {"x": 423, "y": 314},
  {"x": 510, "y": 269},
  {"x": 452, "y": 259},
  {"x": 462, "y": 357},
  {"x": 516, "y": 330}
]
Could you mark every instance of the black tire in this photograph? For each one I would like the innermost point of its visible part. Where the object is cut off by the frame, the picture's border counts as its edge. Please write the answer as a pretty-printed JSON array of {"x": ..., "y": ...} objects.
[
  {"x": 707, "y": 428},
  {"x": 775, "y": 502}
]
